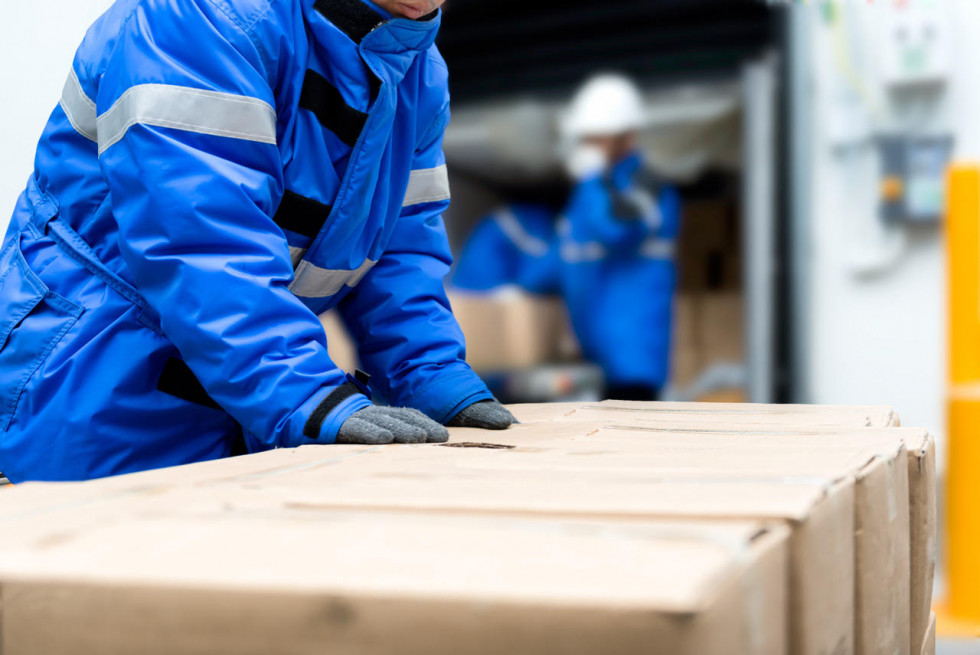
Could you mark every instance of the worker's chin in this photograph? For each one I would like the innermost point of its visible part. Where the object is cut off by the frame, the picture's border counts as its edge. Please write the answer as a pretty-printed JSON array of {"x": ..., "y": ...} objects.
[{"x": 405, "y": 10}]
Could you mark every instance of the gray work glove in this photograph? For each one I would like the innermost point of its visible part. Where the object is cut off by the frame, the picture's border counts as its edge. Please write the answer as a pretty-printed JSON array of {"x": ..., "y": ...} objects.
[
  {"x": 384, "y": 425},
  {"x": 486, "y": 415}
]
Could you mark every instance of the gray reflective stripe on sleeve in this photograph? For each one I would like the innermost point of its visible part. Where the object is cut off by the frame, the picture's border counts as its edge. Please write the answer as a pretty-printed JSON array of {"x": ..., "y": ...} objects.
[
  {"x": 79, "y": 108},
  {"x": 654, "y": 248},
  {"x": 314, "y": 282},
  {"x": 646, "y": 203},
  {"x": 296, "y": 254},
  {"x": 191, "y": 110},
  {"x": 513, "y": 230},
  {"x": 427, "y": 185},
  {"x": 575, "y": 253},
  {"x": 572, "y": 252}
]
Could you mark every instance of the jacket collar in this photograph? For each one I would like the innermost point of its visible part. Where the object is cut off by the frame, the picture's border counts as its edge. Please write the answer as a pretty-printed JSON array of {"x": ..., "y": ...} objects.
[{"x": 373, "y": 28}]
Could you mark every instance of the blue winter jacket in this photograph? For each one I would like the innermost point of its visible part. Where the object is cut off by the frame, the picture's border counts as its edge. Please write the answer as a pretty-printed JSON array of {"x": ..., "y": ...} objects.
[
  {"x": 217, "y": 174},
  {"x": 618, "y": 274},
  {"x": 515, "y": 245}
]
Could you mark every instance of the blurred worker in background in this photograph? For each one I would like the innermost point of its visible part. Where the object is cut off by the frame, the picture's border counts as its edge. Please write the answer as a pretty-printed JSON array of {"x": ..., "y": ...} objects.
[
  {"x": 514, "y": 246},
  {"x": 217, "y": 174},
  {"x": 617, "y": 242}
]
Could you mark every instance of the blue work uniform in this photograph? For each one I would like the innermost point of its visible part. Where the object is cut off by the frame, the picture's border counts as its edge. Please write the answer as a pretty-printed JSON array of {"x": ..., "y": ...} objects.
[
  {"x": 516, "y": 245},
  {"x": 217, "y": 174},
  {"x": 618, "y": 274}
]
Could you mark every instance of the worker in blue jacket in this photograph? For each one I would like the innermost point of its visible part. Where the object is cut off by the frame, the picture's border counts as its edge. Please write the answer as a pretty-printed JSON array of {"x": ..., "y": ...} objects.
[
  {"x": 217, "y": 174},
  {"x": 617, "y": 242},
  {"x": 515, "y": 245}
]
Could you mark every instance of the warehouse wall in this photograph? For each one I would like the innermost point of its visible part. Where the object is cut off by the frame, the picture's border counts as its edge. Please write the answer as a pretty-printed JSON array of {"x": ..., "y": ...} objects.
[
  {"x": 877, "y": 326},
  {"x": 37, "y": 42}
]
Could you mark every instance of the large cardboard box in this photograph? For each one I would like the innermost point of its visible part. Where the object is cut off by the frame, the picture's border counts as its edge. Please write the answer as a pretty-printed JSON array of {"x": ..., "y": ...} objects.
[
  {"x": 510, "y": 329},
  {"x": 882, "y": 529},
  {"x": 190, "y": 571},
  {"x": 760, "y": 419},
  {"x": 721, "y": 330},
  {"x": 581, "y": 470},
  {"x": 425, "y": 481},
  {"x": 708, "y": 329},
  {"x": 841, "y": 490}
]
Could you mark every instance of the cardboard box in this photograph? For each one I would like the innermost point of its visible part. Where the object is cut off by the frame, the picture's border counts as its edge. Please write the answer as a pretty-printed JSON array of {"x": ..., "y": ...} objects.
[
  {"x": 685, "y": 365},
  {"x": 709, "y": 253},
  {"x": 708, "y": 329},
  {"x": 631, "y": 473},
  {"x": 760, "y": 419},
  {"x": 807, "y": 419},
  {"x": 464, "y": 482},
  {"x": 425, "y": 481},
  {"x": 722, "y": 327},
  {"x": 882, "y": 530},
  {"x": 168, "y": 576},
  {"x": 929, "y": 640},
  {"x": 841, "y": 490},
  {"x": 924, "y": 534},
  {"x": 879, "y": 608},
  {"x": 511, "y": 329}
]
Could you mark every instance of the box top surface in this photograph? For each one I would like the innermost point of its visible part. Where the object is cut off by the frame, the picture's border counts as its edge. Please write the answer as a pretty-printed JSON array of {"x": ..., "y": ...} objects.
[{"x": 744, "y": 413}]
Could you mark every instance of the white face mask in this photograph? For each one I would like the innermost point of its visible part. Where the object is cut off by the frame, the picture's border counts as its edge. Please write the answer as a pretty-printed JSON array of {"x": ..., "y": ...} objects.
[{"x": 585, "y": 160}]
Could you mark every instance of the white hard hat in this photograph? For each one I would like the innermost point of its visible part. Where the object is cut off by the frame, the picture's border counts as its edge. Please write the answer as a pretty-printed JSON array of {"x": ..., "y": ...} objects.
[{"x": 605, "y": 105}]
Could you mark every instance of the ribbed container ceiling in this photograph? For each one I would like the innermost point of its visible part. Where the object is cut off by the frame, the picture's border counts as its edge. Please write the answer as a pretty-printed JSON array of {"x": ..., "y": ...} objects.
[{"x": 507, "y": 47}]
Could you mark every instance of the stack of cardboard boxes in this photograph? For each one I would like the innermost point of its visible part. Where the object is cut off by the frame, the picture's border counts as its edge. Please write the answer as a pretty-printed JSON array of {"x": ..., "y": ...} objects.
[
  {"x": 709, "y": 310},
  {"x": 610, "y": 527}
]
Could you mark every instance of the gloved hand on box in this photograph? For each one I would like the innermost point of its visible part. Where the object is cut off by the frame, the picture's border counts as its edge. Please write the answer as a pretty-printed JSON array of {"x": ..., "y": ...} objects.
[
  {"x": 486, "y": 415},
  {"x": 386, "y": 425}
]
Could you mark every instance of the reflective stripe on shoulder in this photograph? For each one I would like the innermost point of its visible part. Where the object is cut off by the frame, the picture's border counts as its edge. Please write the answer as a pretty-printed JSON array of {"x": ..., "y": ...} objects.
[
  {"x": 314, "y": 282},
  {"x": 520, "y": 237},
  {"x": 79, "y": 108},
  {"x": 427, "y": 185},
  {"x": 191, "y": 110}
]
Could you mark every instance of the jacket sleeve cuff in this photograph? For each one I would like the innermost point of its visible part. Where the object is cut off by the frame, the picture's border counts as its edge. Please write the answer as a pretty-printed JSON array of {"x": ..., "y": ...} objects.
[
  {"x": 449, "y": 394},
  {"x": 331, "y": 424}
]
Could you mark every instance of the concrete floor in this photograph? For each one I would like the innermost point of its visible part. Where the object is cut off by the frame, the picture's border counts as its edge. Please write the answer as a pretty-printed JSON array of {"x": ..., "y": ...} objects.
[{"x": 958, "y": 647}]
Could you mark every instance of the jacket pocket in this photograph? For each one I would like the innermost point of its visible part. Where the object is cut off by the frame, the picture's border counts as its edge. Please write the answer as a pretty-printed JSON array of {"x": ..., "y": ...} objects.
[{"x": 33, "y": 319}]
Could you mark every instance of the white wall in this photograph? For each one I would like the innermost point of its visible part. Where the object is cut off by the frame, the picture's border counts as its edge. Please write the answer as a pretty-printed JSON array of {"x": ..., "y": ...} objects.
[
  {"x": 37, "y": 42},
  {"x": 966, "y": 91},
  {"x": 880, "y": 336}
]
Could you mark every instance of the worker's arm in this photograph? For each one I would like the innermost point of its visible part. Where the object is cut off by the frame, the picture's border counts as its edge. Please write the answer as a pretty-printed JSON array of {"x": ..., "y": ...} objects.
[
  {"x": 409, "y": 339},
  {"x": 612, "y": 217},
  {"x": 187, "y": 135}
]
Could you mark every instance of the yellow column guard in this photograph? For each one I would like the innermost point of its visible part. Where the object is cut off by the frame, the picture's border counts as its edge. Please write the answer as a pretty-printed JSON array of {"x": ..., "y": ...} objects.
[{"x": 960, "y": 613}]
